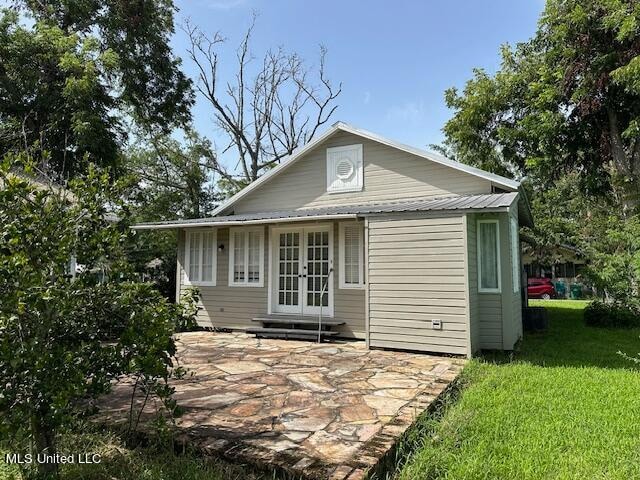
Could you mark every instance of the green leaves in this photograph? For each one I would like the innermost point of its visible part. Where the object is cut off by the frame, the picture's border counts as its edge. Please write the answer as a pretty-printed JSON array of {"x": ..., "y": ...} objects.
[
  {"x": 62, "y": 339},
  {"x": 547, "y": 110},
  {"x": 75, "y": 69}
]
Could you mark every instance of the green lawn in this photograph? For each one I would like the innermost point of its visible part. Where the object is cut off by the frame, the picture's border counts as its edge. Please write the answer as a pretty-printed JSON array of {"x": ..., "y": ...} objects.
[{"x": 565, "y": 406}]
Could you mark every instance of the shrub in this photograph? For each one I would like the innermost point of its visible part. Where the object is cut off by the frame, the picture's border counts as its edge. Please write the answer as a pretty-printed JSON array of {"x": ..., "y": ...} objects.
[{"x": 611, "y": 315}]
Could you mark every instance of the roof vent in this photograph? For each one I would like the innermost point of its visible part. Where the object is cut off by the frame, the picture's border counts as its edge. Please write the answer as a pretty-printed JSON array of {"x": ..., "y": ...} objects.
[{"x": 344, "y": 169}]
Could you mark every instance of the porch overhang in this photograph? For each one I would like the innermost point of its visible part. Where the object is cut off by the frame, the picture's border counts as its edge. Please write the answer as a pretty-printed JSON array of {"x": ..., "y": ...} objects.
[
  {"x": 495, "y": 202},
  {"x": 211, "y": 222}
]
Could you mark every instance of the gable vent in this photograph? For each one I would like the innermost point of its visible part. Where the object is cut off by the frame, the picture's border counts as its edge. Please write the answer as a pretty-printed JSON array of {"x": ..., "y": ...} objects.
[{"x": 344, "y": 169}]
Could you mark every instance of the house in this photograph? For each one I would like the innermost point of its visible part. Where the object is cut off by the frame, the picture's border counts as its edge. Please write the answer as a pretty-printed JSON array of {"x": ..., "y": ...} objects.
[
  {"x": 562, "y": 262},
  {"x": 384, "y": 242}
]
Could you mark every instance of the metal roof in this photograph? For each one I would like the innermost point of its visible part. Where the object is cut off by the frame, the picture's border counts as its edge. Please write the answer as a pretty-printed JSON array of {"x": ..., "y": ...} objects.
[{"x": 487, "y": 202}]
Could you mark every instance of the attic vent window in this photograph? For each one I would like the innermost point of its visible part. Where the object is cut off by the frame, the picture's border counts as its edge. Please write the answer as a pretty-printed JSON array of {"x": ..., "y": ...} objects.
[{"x": 344, "y": 169}]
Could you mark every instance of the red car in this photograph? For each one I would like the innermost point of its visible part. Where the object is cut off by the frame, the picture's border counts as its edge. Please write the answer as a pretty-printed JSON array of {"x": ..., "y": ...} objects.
[{"x": 541, "y": 288}]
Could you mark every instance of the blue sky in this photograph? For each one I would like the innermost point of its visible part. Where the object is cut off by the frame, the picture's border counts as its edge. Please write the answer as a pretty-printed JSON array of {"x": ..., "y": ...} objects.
[{"x": 394, "y": 59}]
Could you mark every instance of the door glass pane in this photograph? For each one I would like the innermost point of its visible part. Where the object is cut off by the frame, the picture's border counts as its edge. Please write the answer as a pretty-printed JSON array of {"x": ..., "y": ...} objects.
[
  {"x": 317, "y": 263},
  {"x": 288, "y": 269}
]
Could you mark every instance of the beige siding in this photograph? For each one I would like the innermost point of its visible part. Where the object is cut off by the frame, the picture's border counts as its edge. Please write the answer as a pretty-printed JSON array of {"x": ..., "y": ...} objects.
[
  {"x": 500, "y": 313},
  {"x": 514, "y": 330},
  {"x": 348, "y": 303},
  {"x": 417, "y": 274},
  {"x": 472, "y": 261},
  {"x": 223, "y": 306},
  {"x": 389, "y": 174}
]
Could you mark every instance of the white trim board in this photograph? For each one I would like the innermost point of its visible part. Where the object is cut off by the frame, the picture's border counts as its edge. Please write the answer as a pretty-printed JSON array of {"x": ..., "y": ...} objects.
[
  {"x": 214, "y": 223},
  {"x": 340, "y": 126}
]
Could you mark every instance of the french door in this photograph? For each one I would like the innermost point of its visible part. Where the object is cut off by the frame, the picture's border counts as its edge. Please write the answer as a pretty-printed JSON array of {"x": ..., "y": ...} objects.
[{"x": 302, "y": 260}]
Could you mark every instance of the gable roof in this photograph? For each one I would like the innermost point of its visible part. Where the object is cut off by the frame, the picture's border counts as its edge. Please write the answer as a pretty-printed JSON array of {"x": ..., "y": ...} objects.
[{"x": 344, "y": 127}]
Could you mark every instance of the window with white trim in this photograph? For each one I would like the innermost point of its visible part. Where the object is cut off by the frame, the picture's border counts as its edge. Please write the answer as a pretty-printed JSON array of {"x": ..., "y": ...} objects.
[
  {"x": 489, "y": 256},
  {"x": 515, "y": 255},
  {"x": 246, "y": 257},
  {"x": 200, "y": 257},
  {"x": 351, "y": 251}
]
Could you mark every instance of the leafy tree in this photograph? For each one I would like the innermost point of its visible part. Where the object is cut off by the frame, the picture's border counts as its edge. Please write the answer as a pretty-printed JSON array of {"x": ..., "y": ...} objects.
[
  {"x": 614, "y": 251},
  {"x": 175, "y": 179},
  {"x": 75, "y": 69},
  {"x": 567, "y": 100},
  {"x": 65, "y": 338}
]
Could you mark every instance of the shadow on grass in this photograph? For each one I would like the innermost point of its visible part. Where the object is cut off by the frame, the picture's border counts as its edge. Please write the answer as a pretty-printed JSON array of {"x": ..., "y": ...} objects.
[{"x": 570, "y": 343}]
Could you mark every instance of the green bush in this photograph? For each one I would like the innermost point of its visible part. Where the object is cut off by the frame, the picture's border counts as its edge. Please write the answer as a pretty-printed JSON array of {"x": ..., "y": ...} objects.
[{"x": 611, "y": 315}]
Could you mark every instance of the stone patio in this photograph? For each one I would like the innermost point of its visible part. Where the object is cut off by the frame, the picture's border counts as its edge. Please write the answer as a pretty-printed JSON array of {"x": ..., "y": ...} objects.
[{"x": 329, "y": 411}]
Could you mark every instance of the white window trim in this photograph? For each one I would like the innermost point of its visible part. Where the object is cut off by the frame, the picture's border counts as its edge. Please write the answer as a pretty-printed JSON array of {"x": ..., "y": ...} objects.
[
  {"x": 359, "y": 172},
  {"x": 231, "y": 282},
  {"x": 341, "y": 247},
  {"x": 187, "y": 249},
  {"x": 515, "y": 254},
  {"x": 479, "y": 255}
]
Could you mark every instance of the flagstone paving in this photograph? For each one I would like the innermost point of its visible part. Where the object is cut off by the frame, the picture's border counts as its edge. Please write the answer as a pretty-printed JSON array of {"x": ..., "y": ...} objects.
[{"x": 328, "y": 411}]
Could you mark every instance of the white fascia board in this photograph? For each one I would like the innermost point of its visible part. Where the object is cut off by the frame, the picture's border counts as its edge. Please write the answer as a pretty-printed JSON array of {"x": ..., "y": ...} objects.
[{"x": 213, "y": 223}]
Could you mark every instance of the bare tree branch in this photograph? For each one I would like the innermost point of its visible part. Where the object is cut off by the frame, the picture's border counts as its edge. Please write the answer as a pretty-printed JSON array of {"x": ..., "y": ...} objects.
[{"x": 267, "y": 109}]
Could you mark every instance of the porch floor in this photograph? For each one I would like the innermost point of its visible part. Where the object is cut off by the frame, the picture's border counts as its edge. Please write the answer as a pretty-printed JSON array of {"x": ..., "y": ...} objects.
[{"x": 316, "y": 410}]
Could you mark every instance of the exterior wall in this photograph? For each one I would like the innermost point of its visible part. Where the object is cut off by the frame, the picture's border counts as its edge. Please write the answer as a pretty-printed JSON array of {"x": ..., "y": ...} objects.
[
  {"x": 472, "y": 278},
  {"x": 513, "y": 324},
  {"x": 223, "y": 306},
  {"x": 389, "y": 174},
  {"x": 417, "y": 273},
  {"x": 498, "y": 315}
]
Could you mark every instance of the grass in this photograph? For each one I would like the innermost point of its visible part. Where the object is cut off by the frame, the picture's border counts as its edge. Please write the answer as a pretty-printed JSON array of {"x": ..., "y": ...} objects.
[
  {"x": 148, "y": 463},
  {"x": 565, "y": 406}
]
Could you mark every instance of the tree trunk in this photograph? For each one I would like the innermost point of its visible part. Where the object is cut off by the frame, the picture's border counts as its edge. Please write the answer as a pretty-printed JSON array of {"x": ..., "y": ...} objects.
[
  {"x": 625, "y": 167},
  {"x": 45, "y": 444}
]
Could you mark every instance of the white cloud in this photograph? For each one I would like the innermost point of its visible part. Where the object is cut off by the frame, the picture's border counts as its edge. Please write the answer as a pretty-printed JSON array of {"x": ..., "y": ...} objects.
[
  {"x": 407, "y": 112},
  {"x": 223, "y": 4},
  {"x": 367, "y": 98}
]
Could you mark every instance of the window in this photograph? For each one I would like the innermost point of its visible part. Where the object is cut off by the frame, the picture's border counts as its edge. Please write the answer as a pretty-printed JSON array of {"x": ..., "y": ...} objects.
[
  {"x": 351, "y": 255},
  {"x": 200, "y": 257},
  {"x": 344, "y": 169},
  {"x": 515, "y": 255},
  {"x": 246, "y": 257},
  {"x": 488, "y": 256}
]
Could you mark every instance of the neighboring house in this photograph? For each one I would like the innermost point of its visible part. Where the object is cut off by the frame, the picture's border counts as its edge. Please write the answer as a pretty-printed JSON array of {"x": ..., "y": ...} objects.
[
  {"x": 563, "y": 263},
  {"x": 418, "y": 252}
]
